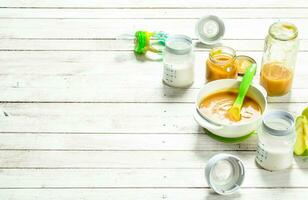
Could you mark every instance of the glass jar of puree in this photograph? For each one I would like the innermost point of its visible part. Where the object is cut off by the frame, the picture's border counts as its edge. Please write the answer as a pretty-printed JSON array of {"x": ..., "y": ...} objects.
[
  {"x": 279, "y": 57},
  {"x": 221, "y": 64}
]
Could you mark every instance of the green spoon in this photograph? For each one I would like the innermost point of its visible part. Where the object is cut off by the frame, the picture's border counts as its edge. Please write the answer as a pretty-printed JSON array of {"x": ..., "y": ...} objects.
[{"x": 235, "y": 111}]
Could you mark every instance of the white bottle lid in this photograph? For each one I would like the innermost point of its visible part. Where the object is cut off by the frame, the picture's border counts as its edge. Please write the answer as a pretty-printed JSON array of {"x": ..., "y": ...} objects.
[
  {"x": 210, "y": 29},
  {"x": 225, "y": 173},
  {"x": 278, "y": 123}
]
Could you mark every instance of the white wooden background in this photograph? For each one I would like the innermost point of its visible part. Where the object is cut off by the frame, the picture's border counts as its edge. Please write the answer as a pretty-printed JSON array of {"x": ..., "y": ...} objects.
[{"x": 82, "y": 118}]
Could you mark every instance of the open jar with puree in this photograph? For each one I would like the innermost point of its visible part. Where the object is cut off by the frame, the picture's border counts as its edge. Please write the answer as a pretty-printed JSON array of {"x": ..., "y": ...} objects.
[
  {"x": 278, "y": 62},
  {"x": 221, "y": 64}
]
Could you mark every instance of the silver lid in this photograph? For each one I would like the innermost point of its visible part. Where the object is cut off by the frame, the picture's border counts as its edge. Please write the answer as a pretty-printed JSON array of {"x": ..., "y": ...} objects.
[
  {"x": 278, "y": 123},
  {"x": 225, "y": 173},
  {"x": 210, "y": 29},
  {"x": 179, "y": 44}
]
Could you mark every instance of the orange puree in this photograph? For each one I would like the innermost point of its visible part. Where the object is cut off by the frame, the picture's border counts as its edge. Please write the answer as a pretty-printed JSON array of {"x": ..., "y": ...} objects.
[
  {"x": 276, "y": 78},
  {"x": 221, "y": 66},
  {"x": 216, "y": 106}
]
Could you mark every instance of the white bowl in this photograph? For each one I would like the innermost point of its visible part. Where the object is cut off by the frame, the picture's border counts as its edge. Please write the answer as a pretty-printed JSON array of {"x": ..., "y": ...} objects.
[{"x": 235, "y": 130}]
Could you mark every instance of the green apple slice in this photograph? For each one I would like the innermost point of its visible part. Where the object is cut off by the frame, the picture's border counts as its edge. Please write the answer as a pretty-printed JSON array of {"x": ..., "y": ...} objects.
[
  {"x": 305, "y": 128},
  {"x": 305, "y": 112},
  {"x": 300, "y": 144}
]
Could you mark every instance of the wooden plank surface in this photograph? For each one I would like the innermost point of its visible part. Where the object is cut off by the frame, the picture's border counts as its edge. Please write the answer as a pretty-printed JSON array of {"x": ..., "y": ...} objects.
[
  {"x": 82, "y": 118},
  {"x": 149, "y": 194},
  {"x": 110, "y": 159},
  {"x": 148, "y": 13},
  {"x": 105, "y": 44},
  {"x": 109, "y": 28},
  {"x": 117, "y": 142},
  {"x": 155, "y": 4},
  {"x": 141, "y": 178},
  {"x": 53, "y": 76},
  {"x": 107, "y": 117}
]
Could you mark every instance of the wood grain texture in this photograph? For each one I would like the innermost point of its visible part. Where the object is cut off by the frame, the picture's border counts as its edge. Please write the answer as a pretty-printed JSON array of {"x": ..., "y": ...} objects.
[
  {"x": 149, "y": 194},
  {"x": 52, "y": 76},
  {"x": 118, "y": 142},
  {"x": 72, "y": 159},
  {"x": 141, "y": 178},
  {"x": 109, "y": 28},
  {"x": 107, "y": 117},
  {"x": 82, "y": 118},
  {"x": 149, "y": 13},
  {"x": 252, "y": 45},
  {"x": 156, "y": 4}
]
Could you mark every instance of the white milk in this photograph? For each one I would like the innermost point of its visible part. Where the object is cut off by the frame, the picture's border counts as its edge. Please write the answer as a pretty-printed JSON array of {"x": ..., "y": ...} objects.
[
  {"x": 178, "y": 75},
  {"x": 274, "y": 158},
  {"x": 178, "y": 61},
  {"x": 276, "y": 141}
]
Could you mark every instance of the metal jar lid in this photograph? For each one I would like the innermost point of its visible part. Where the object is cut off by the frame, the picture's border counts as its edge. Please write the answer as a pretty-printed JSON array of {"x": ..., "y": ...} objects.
[
  {"x": 210, "y": 29},
  {"x": 178, "y": 44},
  {"x": 225, "y": 173},
  {"x": 278, "y": 123}
]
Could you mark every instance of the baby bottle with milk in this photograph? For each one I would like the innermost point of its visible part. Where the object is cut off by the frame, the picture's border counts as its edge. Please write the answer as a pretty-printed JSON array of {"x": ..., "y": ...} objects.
[
  {"x": 178, "y": 59},
  {"x": 276, "y": 141}
]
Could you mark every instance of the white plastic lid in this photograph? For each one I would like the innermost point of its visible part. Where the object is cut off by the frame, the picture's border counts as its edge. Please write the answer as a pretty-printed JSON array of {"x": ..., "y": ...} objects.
[
  {"x": 179, "y": 44},
  {"x": 210, "y": 29},
  {"x": 225, "y": 173},
  {"x": 278, "y": 123}
]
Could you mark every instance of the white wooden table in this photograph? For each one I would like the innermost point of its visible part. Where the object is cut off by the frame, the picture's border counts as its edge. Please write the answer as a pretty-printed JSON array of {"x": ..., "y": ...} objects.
[{"x": 82, "y": 118}]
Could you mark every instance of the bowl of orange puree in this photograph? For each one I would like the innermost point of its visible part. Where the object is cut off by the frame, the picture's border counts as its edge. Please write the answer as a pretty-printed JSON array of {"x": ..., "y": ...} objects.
[{"x": 216, "y": 97}]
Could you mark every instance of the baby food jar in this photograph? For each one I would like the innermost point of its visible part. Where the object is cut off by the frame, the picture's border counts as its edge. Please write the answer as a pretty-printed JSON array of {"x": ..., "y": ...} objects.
[
  {"x": 178, "y": 61},
  {"x": 244, "y": 62},
  {"x": 221, "y": 64},
  {"x": 279, "y": 57},
  {"x": 276, "y": 141}
]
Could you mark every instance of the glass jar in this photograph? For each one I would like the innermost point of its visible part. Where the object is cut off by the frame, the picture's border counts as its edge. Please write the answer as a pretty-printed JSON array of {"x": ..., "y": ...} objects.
[
  {"x": 244, "y": 62},
  {"x": 279, "y": 57},
  {"x": 178, "y": 59},
  {"x": 276, "y": 141},
  {"x": 221, "y": 64}
]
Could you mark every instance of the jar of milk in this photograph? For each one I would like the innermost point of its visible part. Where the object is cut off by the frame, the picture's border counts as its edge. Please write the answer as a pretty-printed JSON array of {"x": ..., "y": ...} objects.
[
  {"x": 276, "y": 141},
  {"x": 178, "y": 61}
]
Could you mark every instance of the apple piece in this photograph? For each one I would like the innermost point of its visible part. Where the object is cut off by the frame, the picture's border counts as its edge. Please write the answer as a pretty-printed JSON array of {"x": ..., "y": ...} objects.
[
  {"x": 305, "y": 129},
  {"x": 305, "y": 112},
  {"x": 300, "y": 144}
]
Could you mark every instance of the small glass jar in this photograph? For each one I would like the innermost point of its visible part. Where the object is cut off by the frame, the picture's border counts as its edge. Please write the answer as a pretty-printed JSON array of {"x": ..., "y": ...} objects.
[
  {"x": 279, "y": 57},
  {"x": 178, "y": 59},
  {"x": 244, "y": 62},
  {"x": 221, "y": 64},
  {"x": 276, "y": 141}
]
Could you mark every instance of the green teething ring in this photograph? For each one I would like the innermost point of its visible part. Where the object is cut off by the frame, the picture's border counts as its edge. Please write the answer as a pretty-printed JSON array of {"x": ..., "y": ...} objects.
[
  {"x": 140, "y": 42},
  {"x": 143, "y": 44}
]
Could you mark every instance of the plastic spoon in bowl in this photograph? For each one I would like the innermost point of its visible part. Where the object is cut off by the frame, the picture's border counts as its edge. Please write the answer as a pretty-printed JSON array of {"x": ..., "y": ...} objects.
[{"x": 235, "y": 111}]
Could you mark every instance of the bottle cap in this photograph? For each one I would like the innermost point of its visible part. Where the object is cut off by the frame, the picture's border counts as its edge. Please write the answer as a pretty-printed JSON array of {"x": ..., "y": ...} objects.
[
  {"x": 225, "y": 173},
  {"x": 210, "y": 29},
  {"x": 179, "y": 44},
  {"x": 278, "y": 123}
]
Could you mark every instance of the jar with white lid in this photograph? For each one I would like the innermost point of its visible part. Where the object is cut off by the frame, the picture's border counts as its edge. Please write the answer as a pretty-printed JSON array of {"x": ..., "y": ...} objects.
[
  {"x": 178, "y": 59},
  {"x": 276, "y": 141}
]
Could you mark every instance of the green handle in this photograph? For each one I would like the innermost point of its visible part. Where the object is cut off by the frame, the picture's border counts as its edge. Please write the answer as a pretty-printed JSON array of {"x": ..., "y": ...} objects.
[
  {"x": 143, "y": 44},
  {"x": 245, "y": 83}
]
